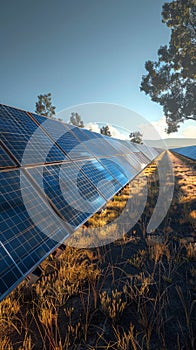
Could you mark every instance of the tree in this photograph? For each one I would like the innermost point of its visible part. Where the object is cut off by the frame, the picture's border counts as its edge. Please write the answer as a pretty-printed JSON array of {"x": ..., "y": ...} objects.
[
  {"x": 105, "y": 130},
  {"x": 170, "y": 81},
  {"x": 136, "y": 137},
  {"x": 44, "y": 106},
  {"x": 75, "y": 119}
]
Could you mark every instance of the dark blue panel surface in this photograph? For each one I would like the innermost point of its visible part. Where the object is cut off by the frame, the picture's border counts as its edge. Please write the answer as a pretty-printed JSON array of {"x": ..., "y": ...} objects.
[
  {"x": 25, "y": 140},
  {"x": 9, "y": 272},
  {"x": 91, "y": 134},
  {"x": 74, "y": 197},
  {"x": 5, "y": 160},
  {"x": 189, "y": 151},
  {"x": 113, "y": 166},
  {"x": 66, "y": 136},
  {"x": 127, "y": 166},
  {"x": 100, "y": 177},
  {"x": 97, "y": 145},
  {"x": 40, "y": 205},
  {"x": 29, "y": 229},
  {"x": 73, "y": 146}
]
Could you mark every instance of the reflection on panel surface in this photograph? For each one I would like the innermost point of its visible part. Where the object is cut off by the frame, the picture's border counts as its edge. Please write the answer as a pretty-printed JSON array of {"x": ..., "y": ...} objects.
[
  {"x": 77, "y": 142},
  {"x": 17, "y": 129},
  {"x": 53, "y": 177},
  {"x": 10, "y": 273},
  {"x": 5, "y": 160},
  {"x": 115, "y": 168},
  {"x": 146, "y": 151},
  {"x": 29, "y": 229},
  {"x": 65, "y": 136},
  {"x": 103, "y": 180},
  {"x": 73, "y": 194}
]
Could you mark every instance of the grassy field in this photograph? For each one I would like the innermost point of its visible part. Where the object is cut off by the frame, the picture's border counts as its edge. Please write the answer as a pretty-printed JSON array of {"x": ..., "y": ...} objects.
[{"x": 135, "y": 293}]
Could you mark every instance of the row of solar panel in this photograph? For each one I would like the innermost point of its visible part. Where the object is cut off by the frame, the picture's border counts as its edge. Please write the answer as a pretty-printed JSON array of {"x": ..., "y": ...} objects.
[
  {"x": 40, "y": 140},
  {"x": 189, "y": 151},
  {"x": 53, "y": 178}
]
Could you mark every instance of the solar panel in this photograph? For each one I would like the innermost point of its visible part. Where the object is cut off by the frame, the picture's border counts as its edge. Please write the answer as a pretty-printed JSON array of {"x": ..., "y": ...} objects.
[
  {"x": 142, "y": 159},
  {"x": 113, "y": 166},
  {"x": 130, "y": 145},
  {"x": 100, "y": 177},
  {"x": 77, "y": 142},
  {"x": 91, "y": 134},
  {"x": 29, "y": 228},
  {"x": 65, "y": 137},
  {"x": 189, "y": 151},
  {"x": 74, "y": 195},
  {"x": 126, "y": 168},
  {"x": 5, "y": 160},
  {"x": 25, "y": 140},
  {"x": 127, "y": 149},
  {"x": 149, "y": 153},
  {"x": 10, "y": 273},
  {"x": 135, "y": 161},
  {"x": 98, "y": 145},
  {"x": 53, "y": 177},
  {"x": 120, "y": 147}
]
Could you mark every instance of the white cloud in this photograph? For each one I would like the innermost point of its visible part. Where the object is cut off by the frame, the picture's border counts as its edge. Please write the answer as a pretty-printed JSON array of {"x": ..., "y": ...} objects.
[
  {"x": 189, "y": 132},
  {"x": 114, "y": 131},
  {"x": 92, "y": 127},
  {"x": 156, "y": 130}
]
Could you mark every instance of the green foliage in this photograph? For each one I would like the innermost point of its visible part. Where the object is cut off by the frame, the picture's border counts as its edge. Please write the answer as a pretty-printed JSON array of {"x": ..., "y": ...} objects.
[
  {"x": 136, "y": 137},
  {"x": 75, "y": 119},
  {"x": 105, "y": 130},
  {"x": 44, "y": 106},
  {"x": 170, "y": 80}
]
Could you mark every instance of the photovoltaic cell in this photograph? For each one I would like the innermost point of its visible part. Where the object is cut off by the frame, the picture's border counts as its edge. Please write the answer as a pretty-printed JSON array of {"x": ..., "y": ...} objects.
[
  {"x": 65, "y": 136},
  {"x": 75, "y": 198},
  {"x": 142, "y": 159},
  {"x": 120, "y": 147},
  {"x": 156, "y": 151},
  {"x": 5, "y": 160},
  {"x": 29, "y": 228},
  {"x": 9, "y": 273},
  {"x": 101, "y": 141},
  {"x": 68, "y": 174},
  {"x": 25, "y": 140},
  {"x": 100, "y": 177},
  {"x": 189, "y": 151},
  {"x": 98, "y": 146},
  {"x": 130, "y": 145},
  {"x": 91, "y": 134},
  {"x": 146, "y": 151},
  {"x": 113, "y": 166},
  {"x": 134, "y": 161},
  {"x": 126, "y": 168}
]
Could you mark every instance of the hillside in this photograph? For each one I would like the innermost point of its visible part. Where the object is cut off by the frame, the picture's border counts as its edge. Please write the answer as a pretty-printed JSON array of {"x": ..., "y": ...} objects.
[{"x": 171, "y": 142}]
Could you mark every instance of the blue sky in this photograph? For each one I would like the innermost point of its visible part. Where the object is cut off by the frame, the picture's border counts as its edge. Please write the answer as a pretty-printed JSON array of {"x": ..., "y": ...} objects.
[{"x": 82, "y": 51}]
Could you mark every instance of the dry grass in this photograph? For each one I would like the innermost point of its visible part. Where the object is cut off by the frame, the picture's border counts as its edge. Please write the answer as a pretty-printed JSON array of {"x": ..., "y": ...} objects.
[{"x": 136, "y": 293}]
